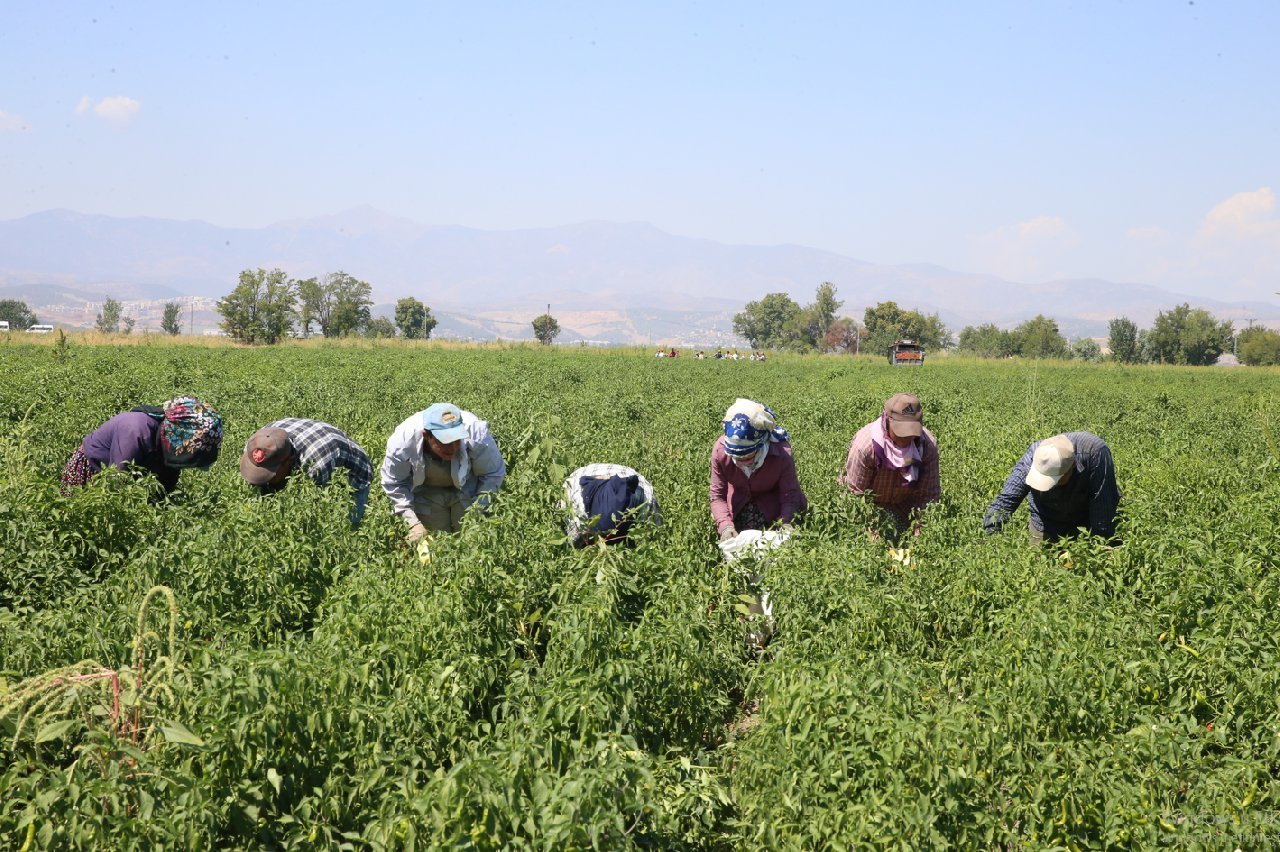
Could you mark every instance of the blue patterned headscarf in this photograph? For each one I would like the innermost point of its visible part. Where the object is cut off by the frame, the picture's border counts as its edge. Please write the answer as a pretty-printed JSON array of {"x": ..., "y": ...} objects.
[{"x": 747, "y": 426}]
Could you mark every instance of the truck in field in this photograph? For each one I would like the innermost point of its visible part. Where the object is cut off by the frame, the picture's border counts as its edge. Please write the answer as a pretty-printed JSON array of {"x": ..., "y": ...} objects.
[{"x": 906, "y": 353}]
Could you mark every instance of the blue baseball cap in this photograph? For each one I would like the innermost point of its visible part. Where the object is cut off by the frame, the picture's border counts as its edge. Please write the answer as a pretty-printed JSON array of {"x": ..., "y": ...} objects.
[{"x": 444, "y": 421}]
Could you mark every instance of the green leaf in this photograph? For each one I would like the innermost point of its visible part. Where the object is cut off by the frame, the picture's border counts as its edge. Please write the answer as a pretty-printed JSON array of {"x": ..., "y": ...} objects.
[
  {"x": 176, "y": 732},
  {"x": 55, "y": 730}
]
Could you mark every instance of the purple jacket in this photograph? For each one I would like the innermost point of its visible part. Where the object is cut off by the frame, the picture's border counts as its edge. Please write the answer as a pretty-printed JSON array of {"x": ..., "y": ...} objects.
[
  {"x": 131, "y": 438},
  {"x": 774, "y": 488}
]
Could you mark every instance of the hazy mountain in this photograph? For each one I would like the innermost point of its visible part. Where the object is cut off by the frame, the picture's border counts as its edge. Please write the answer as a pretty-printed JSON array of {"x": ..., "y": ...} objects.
[{"x": 620, "y": 281}]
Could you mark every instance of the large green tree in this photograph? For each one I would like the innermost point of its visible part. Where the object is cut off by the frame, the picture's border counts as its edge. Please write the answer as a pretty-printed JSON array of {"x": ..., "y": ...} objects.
[
  {"x": 1123, "y": 341},
  {"x": 414, "y": 318},
  {"x": 1086, "y": 349},
  {"x": 379, "y": 327},
  {"x": 108, "y": 319},
  {"x": 825, "y": 306},
  {"x": 887, "y": 323},
  {"x": 1186, "y": 335},
  {"x": 768, "y": 322},
  {"x": 339, "y": 303},
  {"x": 261, "y": 308},
  {"x": 1259, "y": 347},
  {"x": 17, "y": 314},
  {"x": 818, "y": 318},
  {"x": 1040, "y": 338},
  {"x": 546, "y": 329},
  {"x": 986, "y": 341},
  {"x": 171, "y": 324}
]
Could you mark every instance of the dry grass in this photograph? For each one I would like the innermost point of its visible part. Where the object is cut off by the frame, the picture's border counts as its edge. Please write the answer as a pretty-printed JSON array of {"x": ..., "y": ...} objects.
[{"x": 151, "y": 338}]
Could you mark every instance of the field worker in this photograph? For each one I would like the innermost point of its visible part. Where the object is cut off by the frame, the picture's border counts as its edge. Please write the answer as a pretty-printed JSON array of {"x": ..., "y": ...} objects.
[
  {"x": 894, "y": 461},
  {"x": 605, "y": 501},
  {"x": 1072, "y": 484},
  {"x": 753, "y": 476},
  {"x": 279, "y": 448},
  {"x": 161, "y": 440},
  {"x": 439, "y": 463}
]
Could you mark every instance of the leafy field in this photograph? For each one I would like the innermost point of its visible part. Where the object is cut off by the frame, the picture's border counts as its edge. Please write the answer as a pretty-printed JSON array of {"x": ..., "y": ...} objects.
[{"x": 328, "y": 689}]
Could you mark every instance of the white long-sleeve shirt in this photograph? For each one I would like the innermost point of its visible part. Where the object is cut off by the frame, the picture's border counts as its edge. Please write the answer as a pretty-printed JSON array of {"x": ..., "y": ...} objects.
[{"x": 477, "y": 468}]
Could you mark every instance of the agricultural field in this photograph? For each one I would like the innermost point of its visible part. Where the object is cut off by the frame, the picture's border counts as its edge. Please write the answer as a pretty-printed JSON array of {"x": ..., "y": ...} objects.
[{"x": 308, "y": 686}]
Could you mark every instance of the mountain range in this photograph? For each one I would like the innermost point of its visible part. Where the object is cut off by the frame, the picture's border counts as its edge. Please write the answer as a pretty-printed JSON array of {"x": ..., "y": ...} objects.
[{"x": 605, "y": 282}]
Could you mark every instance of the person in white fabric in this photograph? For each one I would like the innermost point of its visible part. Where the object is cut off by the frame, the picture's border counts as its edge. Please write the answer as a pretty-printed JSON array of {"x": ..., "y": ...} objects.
[{"x": 604, "y": 501}]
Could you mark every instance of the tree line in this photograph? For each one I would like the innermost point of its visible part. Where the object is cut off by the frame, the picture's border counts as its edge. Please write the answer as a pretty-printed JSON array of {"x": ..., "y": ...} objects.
[
  {"x": 778, "y": 322},
  {"x": 267, "y": 305},
  {"x": 1180, "y": 335}
]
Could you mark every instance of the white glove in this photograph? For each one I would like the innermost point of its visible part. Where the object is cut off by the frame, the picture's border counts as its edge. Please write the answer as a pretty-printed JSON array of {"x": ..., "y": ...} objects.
[{"x": 416, "y": 532}]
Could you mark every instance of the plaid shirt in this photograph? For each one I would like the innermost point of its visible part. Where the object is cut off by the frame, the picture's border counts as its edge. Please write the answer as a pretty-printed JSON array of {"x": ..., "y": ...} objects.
[
  {"x": 573, "y": 502},
  {"x": 865, "y": 472},
  {"x": 1089, "y": 499},
  {"x": 322, "y": 447}
]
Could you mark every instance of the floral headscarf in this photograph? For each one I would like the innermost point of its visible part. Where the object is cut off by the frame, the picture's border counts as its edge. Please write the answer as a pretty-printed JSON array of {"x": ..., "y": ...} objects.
[{"x": 191, "y": 433}]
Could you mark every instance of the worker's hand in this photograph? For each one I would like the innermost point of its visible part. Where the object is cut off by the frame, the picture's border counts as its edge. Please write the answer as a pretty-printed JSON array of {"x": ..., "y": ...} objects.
[
  {"x": 416, "y": 532},
  {"x": 727, "y": 533}
]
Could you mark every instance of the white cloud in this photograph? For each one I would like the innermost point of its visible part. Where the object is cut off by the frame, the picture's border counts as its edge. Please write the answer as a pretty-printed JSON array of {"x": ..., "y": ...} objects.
[
  {"x": 118, "y": 110},
  {"x": 1025, "y": 250},
  {"x": 13, "y": 123},
  {"x": 1238, "y": 244},
  {"x": 1243, "y": 217}
]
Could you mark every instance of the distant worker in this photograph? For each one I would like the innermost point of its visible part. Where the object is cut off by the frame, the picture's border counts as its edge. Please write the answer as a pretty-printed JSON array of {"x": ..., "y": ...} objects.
[
  {"x": 661, "y": 353},
  {"x": 719, "y": 355},
  {"x": 753, "y": 475},
  {"x": 1071, "y": 482},
  {"x": 673, "y": 353},
  {"x": 160, "y": 440},
  {"x": 279, "y": 448},
  {"x": 605, "y": 501},
  {"x": 894, "y": 461},
  {"x": 439, "y": 463}
]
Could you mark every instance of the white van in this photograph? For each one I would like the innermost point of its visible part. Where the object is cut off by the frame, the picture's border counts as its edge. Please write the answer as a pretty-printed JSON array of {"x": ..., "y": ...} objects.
[
  {"x": 39, "y": 329},
  {"x": 4, "y": 325}
]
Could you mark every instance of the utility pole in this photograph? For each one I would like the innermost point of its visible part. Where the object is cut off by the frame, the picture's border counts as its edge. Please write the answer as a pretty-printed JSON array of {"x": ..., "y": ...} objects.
[{"x": 191, "y": 328}]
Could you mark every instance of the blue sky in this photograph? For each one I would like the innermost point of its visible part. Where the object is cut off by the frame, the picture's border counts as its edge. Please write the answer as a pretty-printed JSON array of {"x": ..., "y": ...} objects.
[{"x": 1130, "y": 141}]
